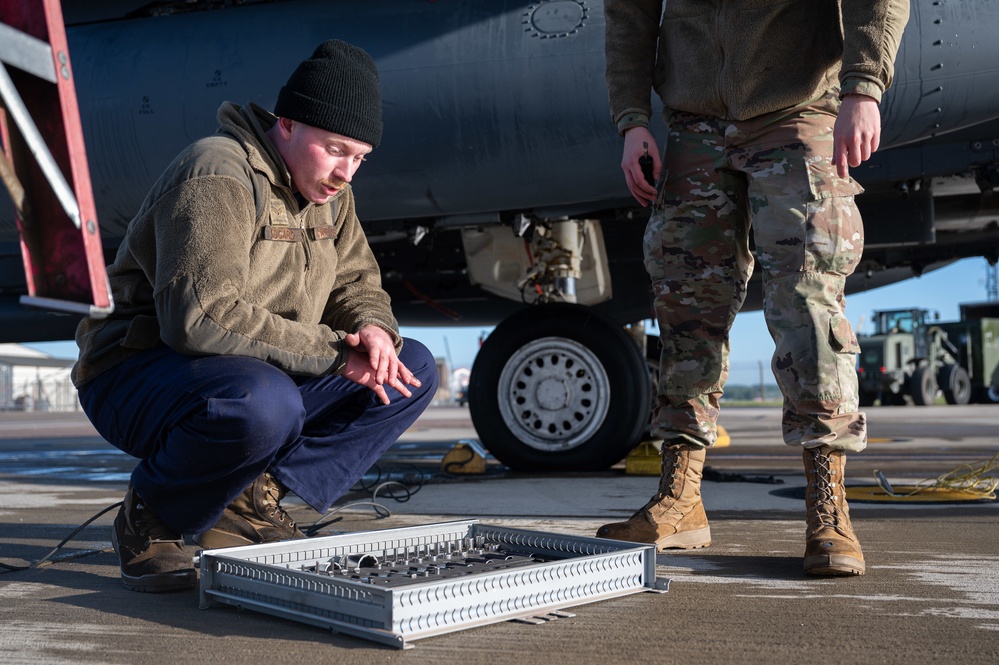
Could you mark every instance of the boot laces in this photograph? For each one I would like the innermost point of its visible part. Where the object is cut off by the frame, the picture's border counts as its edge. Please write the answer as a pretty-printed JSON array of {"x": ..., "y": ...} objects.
[
  {"x": 669, "y": 465},
  {"x": 824, "y": 493},
  {"x": 272, "y": 501},
  {"x": 149, "y": 526}
]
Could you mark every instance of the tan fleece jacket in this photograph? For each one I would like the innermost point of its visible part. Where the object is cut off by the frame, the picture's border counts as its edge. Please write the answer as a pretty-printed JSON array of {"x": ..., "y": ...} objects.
[
  {"x": 220, "y": 259},
  {"x": 738, "y": 59}
]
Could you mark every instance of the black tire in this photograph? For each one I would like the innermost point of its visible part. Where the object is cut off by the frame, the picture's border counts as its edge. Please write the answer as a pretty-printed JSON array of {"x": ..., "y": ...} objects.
[
  {"x": 559, "y": 387},
  {"x": 955, "y": 384},
  {"x": 987, "y": 395},
  {"x": 923, "y": 386}
]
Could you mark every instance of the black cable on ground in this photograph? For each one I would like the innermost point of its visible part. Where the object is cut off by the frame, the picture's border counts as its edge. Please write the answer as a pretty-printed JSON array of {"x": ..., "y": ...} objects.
[
  {"x": 714, "y": 475},
  {"x": 10, "y": 569},
  {"x": 410, "y": 481}
]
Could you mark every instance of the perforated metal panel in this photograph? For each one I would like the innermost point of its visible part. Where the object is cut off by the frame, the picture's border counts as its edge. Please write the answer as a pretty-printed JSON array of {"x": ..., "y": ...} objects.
[{"x": 399, "y": 585}]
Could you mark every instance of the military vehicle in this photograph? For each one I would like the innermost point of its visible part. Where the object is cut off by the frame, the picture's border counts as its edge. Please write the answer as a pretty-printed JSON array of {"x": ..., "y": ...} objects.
[{"x": 910, "y": 354}]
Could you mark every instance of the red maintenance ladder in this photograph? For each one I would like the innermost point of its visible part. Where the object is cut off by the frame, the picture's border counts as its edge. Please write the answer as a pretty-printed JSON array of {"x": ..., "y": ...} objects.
[{"x": 44, "y": 163}]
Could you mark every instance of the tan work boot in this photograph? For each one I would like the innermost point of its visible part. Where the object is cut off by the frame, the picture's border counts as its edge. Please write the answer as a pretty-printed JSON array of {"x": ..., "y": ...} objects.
[
  {"x": 831, "y": 547},
  {"x": 254, "y": 517},
  {"x": 674, "y": 518},
  {"x": 151, "y": 555}
]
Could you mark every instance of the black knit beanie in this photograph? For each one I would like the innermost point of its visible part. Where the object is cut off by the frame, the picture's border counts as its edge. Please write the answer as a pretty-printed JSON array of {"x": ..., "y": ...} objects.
[{"x": 336, "y": 90}]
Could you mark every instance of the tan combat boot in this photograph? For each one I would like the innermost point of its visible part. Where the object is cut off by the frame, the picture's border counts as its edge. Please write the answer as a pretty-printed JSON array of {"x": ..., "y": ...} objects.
[
  {"x": 674, "y": 518},
  {"x": 254, "y": 517},
  {"x": 831, "y": 547}
]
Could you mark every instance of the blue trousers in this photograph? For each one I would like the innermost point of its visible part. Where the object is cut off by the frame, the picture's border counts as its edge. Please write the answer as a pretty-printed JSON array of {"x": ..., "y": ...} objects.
[{"x": 205, "y": 427}]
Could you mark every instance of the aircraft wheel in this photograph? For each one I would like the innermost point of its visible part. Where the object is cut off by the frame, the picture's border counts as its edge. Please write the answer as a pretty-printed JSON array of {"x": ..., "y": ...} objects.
[
  {"x": 923, "y": 386},
  {"x": 955, "y": 384},
  {"x": 867, "y": 398},
  {"x": 559, "y": 387}
]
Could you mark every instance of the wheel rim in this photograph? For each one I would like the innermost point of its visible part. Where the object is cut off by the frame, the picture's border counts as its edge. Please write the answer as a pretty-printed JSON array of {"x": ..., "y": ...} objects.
[
  {"x": 993, "y": 393},
  {"x": 554, "y": 394}
]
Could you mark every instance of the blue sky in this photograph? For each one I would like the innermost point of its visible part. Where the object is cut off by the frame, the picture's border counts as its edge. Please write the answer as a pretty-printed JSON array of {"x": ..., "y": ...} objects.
[{"x": 942, "y": 290}]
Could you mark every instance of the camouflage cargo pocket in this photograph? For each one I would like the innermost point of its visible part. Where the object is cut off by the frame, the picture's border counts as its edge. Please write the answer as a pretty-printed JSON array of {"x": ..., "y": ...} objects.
[
  {"x": 834, "y": 230},
  {"x": 841, "y": 336}
]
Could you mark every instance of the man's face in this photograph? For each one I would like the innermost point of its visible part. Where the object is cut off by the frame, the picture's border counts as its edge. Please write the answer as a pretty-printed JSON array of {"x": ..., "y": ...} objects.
[{"x": 320, "y": 162}]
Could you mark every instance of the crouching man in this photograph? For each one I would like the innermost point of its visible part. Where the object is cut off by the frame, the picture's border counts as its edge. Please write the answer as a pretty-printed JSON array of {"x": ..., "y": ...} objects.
[{"x": 252, "y": 350}]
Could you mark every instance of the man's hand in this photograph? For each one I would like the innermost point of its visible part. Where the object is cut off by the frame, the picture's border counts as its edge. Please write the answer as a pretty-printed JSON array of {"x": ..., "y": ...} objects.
[
  {"x": 373, "y": 363},
  {"x": 857, "y": 132},
  {"x": 635, "y": 141}
]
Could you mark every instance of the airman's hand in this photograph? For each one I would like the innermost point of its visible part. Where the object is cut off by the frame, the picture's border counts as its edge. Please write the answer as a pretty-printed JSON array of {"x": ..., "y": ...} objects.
[
  {"x": 635, "y": 141},
  {"x": 373, "y": 363},
  {"x": 857, "y": 132}
]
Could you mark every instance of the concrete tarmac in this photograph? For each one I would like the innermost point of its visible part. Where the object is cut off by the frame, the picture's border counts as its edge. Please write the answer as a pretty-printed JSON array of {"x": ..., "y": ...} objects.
[{"x": 930, "y": 595}]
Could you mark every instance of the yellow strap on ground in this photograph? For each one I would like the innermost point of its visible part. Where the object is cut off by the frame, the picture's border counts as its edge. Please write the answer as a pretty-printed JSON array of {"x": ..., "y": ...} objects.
[
  {"x": 921, "y": 495},
  {"x": 967, "y": 482}
]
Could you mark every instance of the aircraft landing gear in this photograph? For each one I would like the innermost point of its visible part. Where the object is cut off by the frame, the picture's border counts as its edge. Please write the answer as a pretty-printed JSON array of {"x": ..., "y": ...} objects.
[{"x": 559, "y": 387}]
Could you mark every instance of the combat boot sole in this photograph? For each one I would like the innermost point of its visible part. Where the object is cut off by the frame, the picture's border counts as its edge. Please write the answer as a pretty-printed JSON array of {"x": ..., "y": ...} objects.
[
  {"x": 834, "y": 565},
  {"x": 640, "y": 529},
  {"x": 685, "y": 540},
  {"x": 178, "y": 580}
]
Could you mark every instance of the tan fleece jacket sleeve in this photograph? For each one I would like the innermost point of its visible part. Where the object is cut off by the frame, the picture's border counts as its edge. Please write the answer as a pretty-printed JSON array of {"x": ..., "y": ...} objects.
[
  {"x": 872, "y": 33},
  {"x": 632, "y": 32},
  {"x": 203, "y": 233}
]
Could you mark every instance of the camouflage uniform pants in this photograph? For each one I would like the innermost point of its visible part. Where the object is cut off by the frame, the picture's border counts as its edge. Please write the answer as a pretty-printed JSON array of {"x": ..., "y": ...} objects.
[{"x": 773, "y": 174}]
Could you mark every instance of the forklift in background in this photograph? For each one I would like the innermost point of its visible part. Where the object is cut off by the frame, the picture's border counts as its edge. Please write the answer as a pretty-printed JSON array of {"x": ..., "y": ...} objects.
[{"x": 910, "y": 354}]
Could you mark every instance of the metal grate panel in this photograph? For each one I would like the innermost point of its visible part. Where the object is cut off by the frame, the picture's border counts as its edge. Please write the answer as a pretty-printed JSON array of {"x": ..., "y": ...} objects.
[{"x": 404, "y": 584}]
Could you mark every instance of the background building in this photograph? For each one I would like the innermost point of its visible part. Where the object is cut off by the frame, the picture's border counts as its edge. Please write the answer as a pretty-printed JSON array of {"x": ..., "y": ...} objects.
[{"x": 34, "y": 381}]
